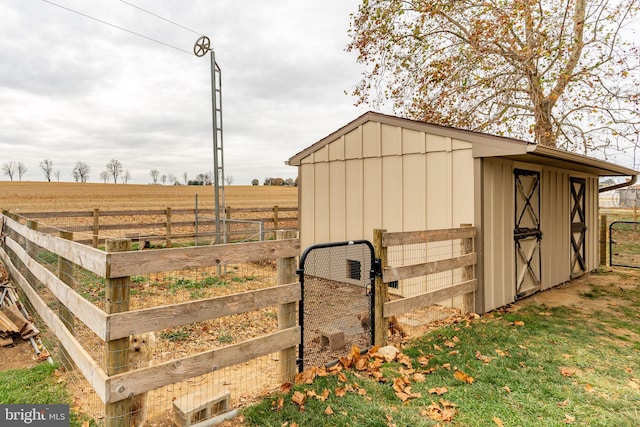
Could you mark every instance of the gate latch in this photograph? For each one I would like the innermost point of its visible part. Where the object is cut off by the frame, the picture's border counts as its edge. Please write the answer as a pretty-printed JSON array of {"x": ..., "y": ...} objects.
[{"x": 377, "y": 267}]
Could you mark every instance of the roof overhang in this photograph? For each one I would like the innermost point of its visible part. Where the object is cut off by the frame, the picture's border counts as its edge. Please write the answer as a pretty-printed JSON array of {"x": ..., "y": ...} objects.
[{"x": 484, "y": 145}]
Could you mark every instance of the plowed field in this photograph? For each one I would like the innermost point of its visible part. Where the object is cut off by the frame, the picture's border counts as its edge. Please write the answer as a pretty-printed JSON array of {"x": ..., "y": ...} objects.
[{"x": 70, "y": 196}]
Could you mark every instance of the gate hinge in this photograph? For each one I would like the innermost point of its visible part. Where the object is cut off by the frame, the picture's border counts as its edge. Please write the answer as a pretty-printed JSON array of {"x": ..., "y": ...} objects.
[{"x": 377, "y": 267}]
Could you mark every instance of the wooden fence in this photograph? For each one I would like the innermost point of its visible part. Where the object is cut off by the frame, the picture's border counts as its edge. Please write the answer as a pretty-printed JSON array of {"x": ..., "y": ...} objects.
[
  {"x": 168, "y": 225},
  {"x": 114, "y": 385},
  {"x": 465, "y": 261}
]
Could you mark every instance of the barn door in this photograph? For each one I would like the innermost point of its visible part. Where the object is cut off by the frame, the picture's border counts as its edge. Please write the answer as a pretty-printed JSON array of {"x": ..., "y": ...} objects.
[
  {"x": 578, "y": 226},
  {"x": 527, "y": 234}
]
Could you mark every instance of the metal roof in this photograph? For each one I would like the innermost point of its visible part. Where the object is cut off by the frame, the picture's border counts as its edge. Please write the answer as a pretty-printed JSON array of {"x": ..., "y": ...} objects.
[{"x": 484, "y": 145}]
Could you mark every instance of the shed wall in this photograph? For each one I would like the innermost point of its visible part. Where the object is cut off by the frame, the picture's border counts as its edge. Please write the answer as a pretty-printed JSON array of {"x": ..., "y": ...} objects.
[
  {"x": 383, "y": 176},
  {"x": 555, "y": 223}
]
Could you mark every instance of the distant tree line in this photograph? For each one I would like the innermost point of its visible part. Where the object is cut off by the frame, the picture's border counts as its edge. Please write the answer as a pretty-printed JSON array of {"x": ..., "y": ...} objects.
[
  {"x": 80, "y": 172},
  {"x": 277, "y": 182}
]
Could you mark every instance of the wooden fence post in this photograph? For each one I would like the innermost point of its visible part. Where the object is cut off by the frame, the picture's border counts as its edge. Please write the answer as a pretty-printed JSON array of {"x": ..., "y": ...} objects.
[
  {"x": 287, "y": 312},
  {"x": 168, "y": 243},
  {"x": 381, "y": 323},
  {"x": 117, "y": 351},
  {"x": 603, "y": 240},
  {"x": 275, "y": 217},
  {"x": 468, "y": 299},
  {"x": 65, "y": 274},
  {"x": 227, "y": 216},
  {"x": 96, "y": 227},
  {"x": 32, "y": 225}
]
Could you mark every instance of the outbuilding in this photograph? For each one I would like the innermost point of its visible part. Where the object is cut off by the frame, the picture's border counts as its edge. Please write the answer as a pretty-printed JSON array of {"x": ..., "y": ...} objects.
[{"x": 535, "y": 208}]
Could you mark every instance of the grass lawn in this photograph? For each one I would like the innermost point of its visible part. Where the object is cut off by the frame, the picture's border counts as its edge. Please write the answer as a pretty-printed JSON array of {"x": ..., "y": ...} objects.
[{"x": 527, "y": 365}]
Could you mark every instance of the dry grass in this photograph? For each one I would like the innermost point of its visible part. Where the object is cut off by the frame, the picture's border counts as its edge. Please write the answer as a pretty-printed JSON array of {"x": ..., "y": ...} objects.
[{"x": 69, "y": 196}]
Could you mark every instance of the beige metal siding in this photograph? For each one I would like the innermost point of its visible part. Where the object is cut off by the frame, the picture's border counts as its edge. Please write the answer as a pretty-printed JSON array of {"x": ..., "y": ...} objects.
[
  {"x": 592, "y": 220},
  {"x": 497, "y": 231},
  {"x": 403, "y": 180},
  {"x": 556, "y": 227}
]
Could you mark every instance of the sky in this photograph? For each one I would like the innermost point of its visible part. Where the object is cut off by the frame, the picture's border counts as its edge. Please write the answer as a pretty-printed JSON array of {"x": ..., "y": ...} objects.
[{"x": 76, "y": 90}]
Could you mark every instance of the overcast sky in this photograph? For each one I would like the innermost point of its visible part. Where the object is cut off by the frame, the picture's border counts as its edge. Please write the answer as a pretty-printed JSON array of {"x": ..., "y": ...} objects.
[{"x": 73, "y": 89}]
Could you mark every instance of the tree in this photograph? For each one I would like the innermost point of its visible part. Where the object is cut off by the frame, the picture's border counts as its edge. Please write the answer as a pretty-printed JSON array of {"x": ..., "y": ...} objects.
[
  {"x": 185, "y": 176},
  {"x": 228, "y": 179},
  {"x": 255, "y": 181},
  {"x": 114, "y": 169},
  {"x": 104, "y": 176},
  {"x": 163, "y": 179},
  {"x": 557, "y": 72},
  {"x": 126, "y": 177},
  {"x": 22, "y": 169},
  {"x": 81, "y": 172},
  {"x": 47, "y": 168},
  {"x": 9, "y": 169},
  {"x": 154, "y": 176}
]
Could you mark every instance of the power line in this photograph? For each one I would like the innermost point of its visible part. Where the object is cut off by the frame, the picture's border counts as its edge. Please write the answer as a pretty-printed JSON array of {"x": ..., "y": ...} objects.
[
  {"x": 118, "y": 27},
  {"x": 160, "y": 17}
]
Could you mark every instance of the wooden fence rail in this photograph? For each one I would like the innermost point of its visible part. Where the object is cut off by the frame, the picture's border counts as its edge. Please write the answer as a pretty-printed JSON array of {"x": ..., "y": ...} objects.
[
  {"x": 113, "y": 326},
  {"x": 160, "y": 224},
  {"x": 465, "y": 288}
]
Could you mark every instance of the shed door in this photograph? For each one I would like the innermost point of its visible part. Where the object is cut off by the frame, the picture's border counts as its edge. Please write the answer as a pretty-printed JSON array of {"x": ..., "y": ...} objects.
[
  {"x": 578, "y": 226},
  {"x": 527, "y": 234}
]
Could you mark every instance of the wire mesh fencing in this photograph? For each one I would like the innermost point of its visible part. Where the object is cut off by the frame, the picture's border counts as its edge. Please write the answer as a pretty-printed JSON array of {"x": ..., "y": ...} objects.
[{"x": 237, "y": 379}]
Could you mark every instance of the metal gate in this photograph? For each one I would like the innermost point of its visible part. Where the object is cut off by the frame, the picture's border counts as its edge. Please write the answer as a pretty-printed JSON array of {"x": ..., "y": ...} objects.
[
  {"x": 336, "y": 310},
  {"x": 578, "y": 226},
  {"x": 527, "y": 234},
  {"x": 624, "y": 244}
]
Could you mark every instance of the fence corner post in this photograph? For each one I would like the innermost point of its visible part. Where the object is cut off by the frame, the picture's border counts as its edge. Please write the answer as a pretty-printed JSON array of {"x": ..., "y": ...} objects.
[
  {"x": 381, "y": 292},
  {"x": 286, "y": 268},
  {"x": 117, "y": 351},
  {"x": 603, "y": 240},
  {"x": 466, "y": 247}
]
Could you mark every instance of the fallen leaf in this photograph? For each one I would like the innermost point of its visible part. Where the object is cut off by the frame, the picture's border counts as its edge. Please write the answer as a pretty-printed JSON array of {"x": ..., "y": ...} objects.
[
  {"x": 569, "y": 419},
  {"x": 563, "y": 403},
  {"x": 483, "y": 359},
  {"x": 500, "y": 353},
  {"x": 453, "y": 352},
  {"x": 418, "y": 377},
  {"x": 634, "y": 383},
  {"x": 567, "y": 372},
  {"x": 342, "y": 377},
  {"x": 449, "y": 344},
  {"x": 437, "y": 347},
  {"x": 498, "y": 421},
  {"x": 461, "y": 376},
  {"x": 507, "y": 389},
  {"x": 545, "y": 313},
  {"x": 424, "y": 360},
  {"x": 438, "y": 390},
  {"x": 286, "y": 388},
  {"x": 328, "y": 411},
  {"x": 518, "y": 323},
  {"x": 341, "y": 391},
  {"x": 446, "y": 366},
  {"x": 299, "y": 398},
  {"x": 588, "y": 388}
]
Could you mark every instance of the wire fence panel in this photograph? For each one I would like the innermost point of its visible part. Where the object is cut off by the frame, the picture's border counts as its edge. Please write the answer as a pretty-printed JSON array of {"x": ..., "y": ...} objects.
[
  {"x": 624, "y": 244},
  {"x": 221, "y": 369}
]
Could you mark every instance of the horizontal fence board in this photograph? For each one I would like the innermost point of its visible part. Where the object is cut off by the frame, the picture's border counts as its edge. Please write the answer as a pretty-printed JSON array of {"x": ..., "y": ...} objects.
[
  {"x": 88, "y": 313},
  {"x": 89, "y": 258},
  {"x": 89, "y": 368},
  {"x": 32, "y": 215},
  {"x": 123, "y": 385},
  {"x": 121, "y": 325},
  {"x": 405, "y": 305},
  {"x": 413, "y": 237},
  {"x": 392, "y": 274},
  {"x": 124, "y": 264}
]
